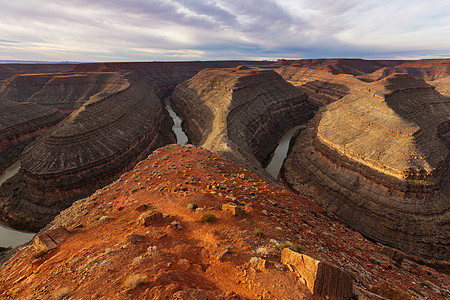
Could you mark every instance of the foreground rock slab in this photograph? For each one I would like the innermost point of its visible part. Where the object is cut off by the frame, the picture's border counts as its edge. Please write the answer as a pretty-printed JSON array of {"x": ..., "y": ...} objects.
[{"x": 322, "y": 279}]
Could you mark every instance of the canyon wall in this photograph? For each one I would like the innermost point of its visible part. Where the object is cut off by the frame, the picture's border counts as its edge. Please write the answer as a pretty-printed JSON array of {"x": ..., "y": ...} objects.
[
  {"x": 20, "y": 123},
  {"x": 378, "y": 159},
  {"x": 105, "y": 137},
  {"x": 240, "y": 113}
]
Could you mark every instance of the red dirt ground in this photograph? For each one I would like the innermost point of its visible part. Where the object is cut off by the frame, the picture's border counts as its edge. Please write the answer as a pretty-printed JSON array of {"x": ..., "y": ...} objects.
[{"x": 109, "y": 256}]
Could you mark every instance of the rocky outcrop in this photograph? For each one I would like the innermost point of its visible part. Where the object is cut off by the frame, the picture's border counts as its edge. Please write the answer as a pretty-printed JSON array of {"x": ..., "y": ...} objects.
[
  {"x": 20, "y": 123},
  {"x": 378, "y": 160},
  {"x": 322, "y": 279},
  {"x": 65, "y": 91},
  {"x": 94, "y": 145},
  {"x": 239, "y": 112}
]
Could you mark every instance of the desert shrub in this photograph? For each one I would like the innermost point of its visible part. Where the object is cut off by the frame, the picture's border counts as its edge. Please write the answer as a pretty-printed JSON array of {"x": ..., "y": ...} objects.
[
  {"x": 208, "y": 217},
  {"x": 295, "y": 248},
  {"x": 259, "y": 232}
]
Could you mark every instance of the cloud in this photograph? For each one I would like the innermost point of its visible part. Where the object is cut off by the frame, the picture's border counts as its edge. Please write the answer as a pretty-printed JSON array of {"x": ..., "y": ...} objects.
[{"x": 102, "y": 30}]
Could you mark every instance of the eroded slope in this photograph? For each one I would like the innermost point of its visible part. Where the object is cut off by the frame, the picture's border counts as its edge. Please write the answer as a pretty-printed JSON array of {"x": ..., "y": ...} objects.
[{"x": 111, "y": 253}]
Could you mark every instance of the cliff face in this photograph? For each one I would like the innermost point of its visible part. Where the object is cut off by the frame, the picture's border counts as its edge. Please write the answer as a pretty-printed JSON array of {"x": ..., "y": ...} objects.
[
  {"x": 142, "y": 237},
  {"x": 239, "y": 111},
  {"x": 378, "y": 160},
  {"x": 62, "y": 90},
  {"x": 20, "y": 123},
  {"x": 93, "y": 146}
]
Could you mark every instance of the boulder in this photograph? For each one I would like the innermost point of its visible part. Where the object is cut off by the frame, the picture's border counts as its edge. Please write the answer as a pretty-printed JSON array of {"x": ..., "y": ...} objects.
[{"x": 321, "y": 278}]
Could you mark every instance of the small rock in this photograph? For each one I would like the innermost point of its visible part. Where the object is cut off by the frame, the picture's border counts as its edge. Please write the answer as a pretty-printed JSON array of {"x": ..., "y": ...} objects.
[
  {"x": 136, "y": 238},
  {"x": 142, "y": 207},
  {"x": 230, "y": 295},
  {"x": 104, "y": 218},
  {"x": 254, "y": 260},
  {"x": 184, "y": 264},
  {"x": 220, "y": 253},
  {"x": 235, "y": 210},
  {"x": 149, "y": 218},
  {"x": 190, "y": 294},
  {"x": 176, "y": 225}
]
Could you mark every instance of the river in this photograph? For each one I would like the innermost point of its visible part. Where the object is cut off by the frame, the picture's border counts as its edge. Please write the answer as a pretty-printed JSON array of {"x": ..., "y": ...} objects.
[
  {"x": 182, "y": 139},
  {"x": 10, "y": 237},
  {"x": 280, "y": 153}
]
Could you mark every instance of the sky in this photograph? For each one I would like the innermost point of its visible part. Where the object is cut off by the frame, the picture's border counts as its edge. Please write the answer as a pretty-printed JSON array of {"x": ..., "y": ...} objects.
[{"x": 169, "y": 30}]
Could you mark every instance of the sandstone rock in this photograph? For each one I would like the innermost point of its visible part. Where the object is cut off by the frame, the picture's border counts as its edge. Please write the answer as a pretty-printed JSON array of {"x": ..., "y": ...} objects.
[
  {"x": 149, "y": 218},
  {"x": 235, "y": 209},
  {"x": 190, "y": 294},
  {"x": 392, "y": 254},
  {"x": 49, "y": 239},
  {"x": 322, "y": 279}
]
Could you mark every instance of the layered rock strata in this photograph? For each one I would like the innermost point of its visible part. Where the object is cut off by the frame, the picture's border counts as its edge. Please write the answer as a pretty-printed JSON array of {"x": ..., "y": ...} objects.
[
  {"x": 164, "y": 76},
  {"x": 8, "y": 70},
  {"x": 20, "y": 123},
  {"x": 94, "y": 145},
  {"x": 66, "y": 91},
  {"x": 378, "y": 160},
  {"x": 241, "y": 111}
]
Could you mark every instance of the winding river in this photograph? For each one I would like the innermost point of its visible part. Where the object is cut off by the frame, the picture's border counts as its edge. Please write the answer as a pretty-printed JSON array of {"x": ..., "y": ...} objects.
[
  {"x": 10, "y": 237},
  {"x": 280, "y": 153},
  {"x": 182, "y": 139}
]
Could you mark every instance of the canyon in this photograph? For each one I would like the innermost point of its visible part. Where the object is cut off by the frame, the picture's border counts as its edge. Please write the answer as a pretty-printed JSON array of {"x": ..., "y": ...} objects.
[
  {"x": 367, "y": 145},
  {"x": 376, "y": 161},
  {"x": 240, "y": 113}
]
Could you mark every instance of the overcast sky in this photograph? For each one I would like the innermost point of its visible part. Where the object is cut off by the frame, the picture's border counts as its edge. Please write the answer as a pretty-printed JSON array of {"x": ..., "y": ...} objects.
[{"x": 147, "y": 30}]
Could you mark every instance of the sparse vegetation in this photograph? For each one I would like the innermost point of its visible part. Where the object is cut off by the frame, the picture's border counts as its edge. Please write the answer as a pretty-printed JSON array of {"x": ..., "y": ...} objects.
[
  {"x": 135, "y": 280},
  {"x": 258, "y": 232},
  {"x": 208, "y": 217},
  {"x": 263, "y": 251},
  {"x": 295, "y": 248}
]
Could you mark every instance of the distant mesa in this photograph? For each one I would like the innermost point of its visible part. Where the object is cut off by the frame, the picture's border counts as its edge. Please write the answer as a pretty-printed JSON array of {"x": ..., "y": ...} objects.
[
  {"x": 240, "y": 113},
  {"x": 378, "y": 159},
  {"x": 66, "y": 91}
]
